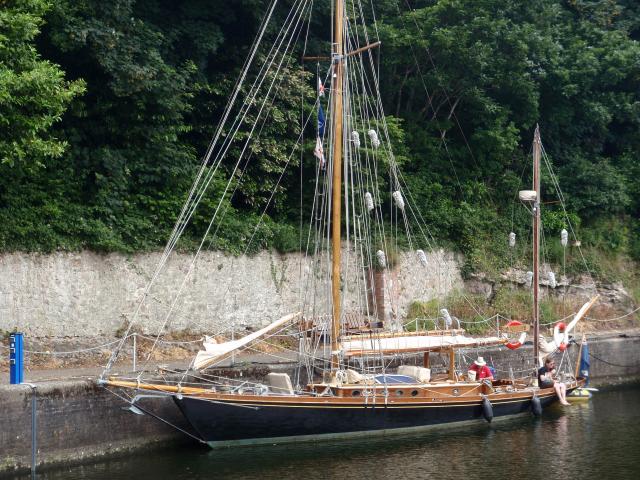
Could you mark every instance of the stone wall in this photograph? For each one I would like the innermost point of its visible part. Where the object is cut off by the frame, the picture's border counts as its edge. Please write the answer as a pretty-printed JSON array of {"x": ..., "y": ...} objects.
[
  {"x": 615, "y": 358},
  {"x": 77, "y": 421},
  {"x": 87, "y": 294},
  {"x": 577, "y": 289}
]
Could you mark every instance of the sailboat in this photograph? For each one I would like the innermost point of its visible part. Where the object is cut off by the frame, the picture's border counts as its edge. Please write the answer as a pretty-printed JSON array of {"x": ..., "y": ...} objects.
[{"x": 365, "y": 372}]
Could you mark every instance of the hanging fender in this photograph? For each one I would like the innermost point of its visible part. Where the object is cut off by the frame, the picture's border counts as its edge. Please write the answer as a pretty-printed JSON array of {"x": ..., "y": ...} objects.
[
  {"x": 518, "y": 343},
  {"x": 546, "y": 347},
  {"x": 536, "y": 406},
  {"x": 487, "y": 409},
  {"x": 561, "y": 336}
]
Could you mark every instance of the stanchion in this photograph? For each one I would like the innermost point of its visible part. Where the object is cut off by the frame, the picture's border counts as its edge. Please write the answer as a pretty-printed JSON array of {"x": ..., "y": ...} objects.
[
  {"x": 135, "y": 350},
  {"x": 34, "y": 429}
]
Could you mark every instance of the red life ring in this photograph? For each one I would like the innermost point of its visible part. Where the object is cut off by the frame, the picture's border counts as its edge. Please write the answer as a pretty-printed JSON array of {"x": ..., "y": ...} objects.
[{"x": 520, "y": 341}]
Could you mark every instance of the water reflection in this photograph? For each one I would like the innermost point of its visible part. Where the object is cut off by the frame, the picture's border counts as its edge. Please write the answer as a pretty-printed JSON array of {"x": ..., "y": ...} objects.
[{"x": 599, "y": 439}]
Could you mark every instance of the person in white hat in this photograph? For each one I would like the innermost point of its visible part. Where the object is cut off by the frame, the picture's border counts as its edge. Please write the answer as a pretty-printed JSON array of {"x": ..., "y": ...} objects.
[{"x": 481, "y": 370}]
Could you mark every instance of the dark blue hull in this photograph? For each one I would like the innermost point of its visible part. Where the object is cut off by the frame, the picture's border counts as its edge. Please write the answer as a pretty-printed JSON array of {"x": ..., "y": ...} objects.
[{"x": 222, "y": 422}]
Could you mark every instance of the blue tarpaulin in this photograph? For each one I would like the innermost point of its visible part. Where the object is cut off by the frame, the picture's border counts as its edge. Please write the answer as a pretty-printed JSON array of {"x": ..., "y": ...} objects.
[{"x": 584, "y": 361}]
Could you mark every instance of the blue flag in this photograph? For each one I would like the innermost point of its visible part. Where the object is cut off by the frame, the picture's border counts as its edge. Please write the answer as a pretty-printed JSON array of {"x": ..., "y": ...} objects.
[
  {"x": 584, "y": 362},
  {"x": 321, "y": 121}
]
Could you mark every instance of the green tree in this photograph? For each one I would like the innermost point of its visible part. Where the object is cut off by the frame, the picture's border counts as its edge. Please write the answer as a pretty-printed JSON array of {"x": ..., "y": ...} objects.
[
  {"x": 130, "y": 162},
  {"x": 464, "y": 83},
  {"x": 33, "y": 92},
  {"x": 473, "y": 77}
]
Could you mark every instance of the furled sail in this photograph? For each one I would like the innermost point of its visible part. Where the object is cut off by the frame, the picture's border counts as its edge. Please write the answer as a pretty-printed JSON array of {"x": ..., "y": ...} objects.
[
  {"x": 582, "y": 312},
  {"x": 413, "y": 343},
  {"x": 214, "y": 351}
]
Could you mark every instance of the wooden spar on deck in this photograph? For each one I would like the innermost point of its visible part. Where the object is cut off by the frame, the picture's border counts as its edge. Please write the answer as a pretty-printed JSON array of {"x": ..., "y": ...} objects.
[
  {"x": 537, "y": 147},
  {"x": 115, "y": 382},
  {"x": 337, "y": 182}
]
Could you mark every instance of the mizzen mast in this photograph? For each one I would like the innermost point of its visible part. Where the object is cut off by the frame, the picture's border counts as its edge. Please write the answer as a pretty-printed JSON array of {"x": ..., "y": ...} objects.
[
  {"x": 537, "y": 148},
  {"x": 336, "y": 203}
]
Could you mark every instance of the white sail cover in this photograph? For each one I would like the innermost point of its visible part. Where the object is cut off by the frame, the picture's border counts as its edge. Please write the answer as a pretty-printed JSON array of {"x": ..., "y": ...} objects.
[
  {"x": 214, "y": 351},
  {"x": 416, "y": 343},
  {"x": 582, "y": 312}
]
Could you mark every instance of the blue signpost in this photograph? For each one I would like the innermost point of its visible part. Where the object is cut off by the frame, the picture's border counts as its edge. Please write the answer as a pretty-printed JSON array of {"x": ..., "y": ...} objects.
[
  {"x": 16, "y": 356},
  {"x": 16, "y": 377}
]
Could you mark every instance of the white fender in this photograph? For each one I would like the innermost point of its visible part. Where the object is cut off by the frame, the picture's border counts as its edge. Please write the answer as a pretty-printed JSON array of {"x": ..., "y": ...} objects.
[
  {"x": 561, "y": 336},
  {"x": 546, "y": 347}
]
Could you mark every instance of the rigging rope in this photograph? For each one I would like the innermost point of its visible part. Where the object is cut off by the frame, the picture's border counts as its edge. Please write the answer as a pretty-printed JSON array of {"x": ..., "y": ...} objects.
[{"x": 612, "y": 364}]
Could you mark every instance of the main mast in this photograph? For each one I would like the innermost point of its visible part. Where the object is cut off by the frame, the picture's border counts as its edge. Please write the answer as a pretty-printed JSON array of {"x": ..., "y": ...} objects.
[
  {"x": 537, "y": 147},
  {"x": 337, "y": 59}
]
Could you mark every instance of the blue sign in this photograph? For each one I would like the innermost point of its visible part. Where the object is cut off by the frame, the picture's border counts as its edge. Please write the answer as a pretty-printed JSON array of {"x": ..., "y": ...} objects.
[{"x": 16, "y": 355}]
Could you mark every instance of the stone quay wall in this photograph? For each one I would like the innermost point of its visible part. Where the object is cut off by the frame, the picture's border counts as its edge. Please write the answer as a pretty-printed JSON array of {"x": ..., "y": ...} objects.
[
  {"x": 88, "y": 295},
  {"x": 77, "y": 421}
]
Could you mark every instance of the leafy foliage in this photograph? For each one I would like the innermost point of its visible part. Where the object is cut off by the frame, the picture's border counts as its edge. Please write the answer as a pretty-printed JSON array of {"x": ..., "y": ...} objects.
[
  {"x": 464, "y": 83},
  {"x": 474, "y": 77},
  {"x": 33, "y": 91}
]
